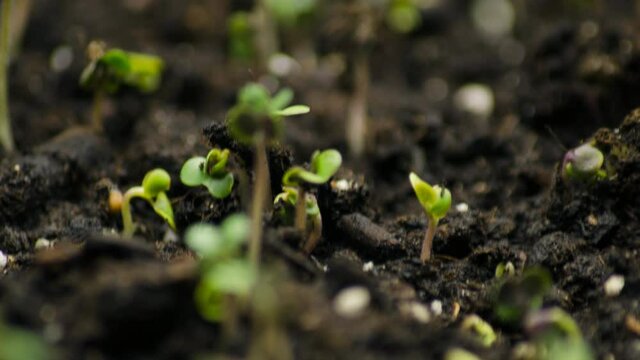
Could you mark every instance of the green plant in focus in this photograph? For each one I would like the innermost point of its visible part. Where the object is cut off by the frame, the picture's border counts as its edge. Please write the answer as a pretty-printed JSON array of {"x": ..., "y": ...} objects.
[
  {"x": 153, "y": 189},
  {"x": 324, "y": 164},
  {"x": 226, "y": 278},
  {"x": 435, "y": 201},
  {"x": 108, "y": 70},
  {"x": 257, "y": 120},
  {"x": 286, "y": 207},
  {"x": 583, "y": 164},
  {"x": 6, "y": 134},
  {"x": 210, "y": 172}
]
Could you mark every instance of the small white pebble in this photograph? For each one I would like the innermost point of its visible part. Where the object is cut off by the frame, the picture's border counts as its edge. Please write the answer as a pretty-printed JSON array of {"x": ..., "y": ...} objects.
[
  {"x": 341, "y": 185},
  {"x": 613, "y": 286},
  {"x": 42, "y": 243},
  {"x": 16, "y": 167},
  {"x": 462, "y": 207},
  {"x": 61, "y": 58},
  {"x": 436, "y": 307},
  {"x": 3, "y": 260},
  {"x": 416, "y": 311},
  {"x": 476, "y": 99},
  {"x": 368, "y": 266},
  {"x": 352, "y": 301},
  {"x": 282, "y": 65}
]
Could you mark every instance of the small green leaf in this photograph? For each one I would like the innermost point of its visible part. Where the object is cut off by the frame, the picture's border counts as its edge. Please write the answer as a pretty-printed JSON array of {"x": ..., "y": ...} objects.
[
  {"x": 441, "y": 206},
  {"x": 156, "y": 181},
  {"x": 219, "y": 188},
  {"x": 192, "y": 173},
  {"x": 281, "y": 99},
  {"x": 204, "y": 239},
  {"x": 235, "y": 277},
  {"x": 293, "y": 110},
  {"x": 255, "y": 97},
  {"x": 326, "y": 163},
  {"x": 162, "y": 207},
  {"x": 236, "y": 229},
  {"x": 425, "y": 193}
]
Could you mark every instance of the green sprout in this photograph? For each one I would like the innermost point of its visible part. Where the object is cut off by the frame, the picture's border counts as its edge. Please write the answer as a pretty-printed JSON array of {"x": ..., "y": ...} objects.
[
  {"x": 583, "y": 164},
  {"x": 324, "y": 165},
  {"x": 287, "y": 205},
  {"x": 505, "y": 270},
  {"x": 557, "y": 336},
  {"x": 518, "y": 296},
  {"x": 481, "y": 329},
  {"x": 6, "y": 134},
  {"x": 154, "y": 186},
  {"x": 289, "y": 12},
  {"x": 108, "y": 70},
  {"x": 403, "y": 16},
  {"x": 225, "y": 275},
  {"x": 435, "y": 201},
  {"x": 240, "y": 36},
  {"x": 257, "y": 120},
  {"x": 210, "y": 172}
]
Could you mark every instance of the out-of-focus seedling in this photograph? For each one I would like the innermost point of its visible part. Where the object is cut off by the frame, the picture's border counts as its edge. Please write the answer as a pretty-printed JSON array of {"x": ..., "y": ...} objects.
[
  {"x": 505, "y": 270},
  {"x": 287, "y": 204},
  {"x": 289, "y": 12},
  {"x": 210, "y": 172},
  {"x": 6, "y": 134},
  {"x": 480, "y": 329},
  {"x": 520, "y": 295},
  {"x": 240, "y": 36},
  {"x": 435, "y": 201},
  {"x": 110, "y": 69},
  {"x": 257, "y": 120},
  {"x": 460, "y": 354},
  {"x": 583, "y": 164},
  {"x": 403, "y": 16},
  {"x": 557, "y": 336},
  {"x": 324, "y": 164},
  {"x": 226, "y": 277},
  {"x": 154, "y": 187},
  {"x": 18, "y": 344}
]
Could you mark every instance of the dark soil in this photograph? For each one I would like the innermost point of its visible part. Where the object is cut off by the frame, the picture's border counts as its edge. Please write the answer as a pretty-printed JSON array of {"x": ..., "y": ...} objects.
[{"x": 95, "y": 295}]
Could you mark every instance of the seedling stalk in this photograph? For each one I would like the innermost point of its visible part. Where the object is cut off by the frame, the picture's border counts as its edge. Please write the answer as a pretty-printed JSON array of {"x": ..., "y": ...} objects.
[
  {"x": 260, "y": 193},
  {"x": 128, "y": 228},
  {"x": 6, "y": 137},
  {"x": 425, "y": 254}
]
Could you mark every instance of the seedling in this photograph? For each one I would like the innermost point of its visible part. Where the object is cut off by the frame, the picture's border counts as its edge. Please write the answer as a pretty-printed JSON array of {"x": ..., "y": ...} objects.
[
  {"x": 481, "y": 329},
  {"x": 403, "y": 16},
  {"x": 225, "y": 275},
  {"x": 154, "y": 186},
  {"x": 518, "y": 296},
  {"x": 505, "y": 270},
  {"x": 323, "y": 166},
  {"x": 210, "y": 172},
  {"x": 435, "y": 201},
  {"x": 583, "y": 164},
  {"x": 109, "y": 70},
  {"x": 6, "y": 135},
  {"x": 556, "y": 335},
  {"x": 240, "y": 36},
  {"x": 287, "y": 204},
  {"x": 257, "y": 120}
]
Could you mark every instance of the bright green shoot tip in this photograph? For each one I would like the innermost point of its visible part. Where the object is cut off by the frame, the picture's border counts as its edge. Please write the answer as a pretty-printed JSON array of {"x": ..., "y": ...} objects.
[
  {"x": 154, "y": 187},
  {"x": 435, "y": 201},
  {"x": 210, "y": 172}
]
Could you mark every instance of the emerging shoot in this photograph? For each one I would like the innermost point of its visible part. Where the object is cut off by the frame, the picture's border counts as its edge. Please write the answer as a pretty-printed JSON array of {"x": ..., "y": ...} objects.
[
  {"x": 287, "y": 205},
  {"x": 257, "y": 120},
  {"x": 6, "y": 135},
  {"x": 226, "y": 277},
  {"x": 154, "y": 186},
  {"x": 518, "y": 296},
  {"x": 435, "y": 201},
  {"x": 210, "y": 172},
  {"x": 108, "y": 70},
  {"x": 323, "y": 166},
  {"x": 556, "y": 335},
  {"x": 583, "y": 164}
]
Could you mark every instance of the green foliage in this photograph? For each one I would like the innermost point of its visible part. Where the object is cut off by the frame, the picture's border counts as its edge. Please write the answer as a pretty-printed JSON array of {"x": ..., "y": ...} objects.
[
  {"x": 154, "y": 187},
  {"x": 505, "y": 269},
  {"x": 224, "y": 274},
  {"x": 257, "y": 113},
  {"x": 290, "y": 12},
  {"x": 285, "y": 203},
  {"x": 557, "y": 336},
  {"x": 435, "y": 200},
  {"x": 20, "y": 344},
  {"x": 324, "y": 164},
  {"x": 117, "y": 67},
  {"x": 583, "y": 164},
  {"x": 210, "y": 172},
  {"x": 518, "y": 296},
  {"x": 403, "y": 16},
  {"x": 240, "y": 36},
  {"x": 480, "y": 328}
]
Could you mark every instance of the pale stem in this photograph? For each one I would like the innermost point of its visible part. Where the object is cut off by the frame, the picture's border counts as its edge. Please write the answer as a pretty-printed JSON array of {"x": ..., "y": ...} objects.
[
  {"x": 6, "y": 137},
  {"x": 128, "y": 228},
  {"x": 96, "y": 110},
  {"x": 427, "y": 243},
  {"x": 260, "y": 192},
  {"x": 314, "y": 235},
  {"x": 357, "y": 117},
  {"x": 300, "y": 221},
  {"x": 266, "y": 34}
]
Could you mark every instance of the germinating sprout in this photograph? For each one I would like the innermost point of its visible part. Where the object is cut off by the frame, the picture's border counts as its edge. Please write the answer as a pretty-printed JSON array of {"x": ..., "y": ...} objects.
[
  {"x": 556, "y": 335},
  {"x": 210, "y": 172},
  {"x": 517, "y": 296},
  {"x": 435, "y": 201},
  {"x": 286, "y": 204},
  {"x": 583, "y": 163},
  {"x": 154, "y": 187}
]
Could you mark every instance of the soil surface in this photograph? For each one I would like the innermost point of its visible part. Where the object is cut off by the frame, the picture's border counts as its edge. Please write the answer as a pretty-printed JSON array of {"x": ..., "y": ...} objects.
[{"x": 569, "y": 73}]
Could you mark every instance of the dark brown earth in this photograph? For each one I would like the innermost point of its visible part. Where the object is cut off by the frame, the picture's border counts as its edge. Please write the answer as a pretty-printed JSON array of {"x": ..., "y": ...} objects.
[{"x": 95, "y": 295}]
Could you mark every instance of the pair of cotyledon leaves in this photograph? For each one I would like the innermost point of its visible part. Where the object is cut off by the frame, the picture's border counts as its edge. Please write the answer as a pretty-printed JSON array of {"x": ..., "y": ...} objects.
[
  {"x": 155, "y": 184},
  {"x": 209, "y": 172},
  {"x": 435, "y": 200}
]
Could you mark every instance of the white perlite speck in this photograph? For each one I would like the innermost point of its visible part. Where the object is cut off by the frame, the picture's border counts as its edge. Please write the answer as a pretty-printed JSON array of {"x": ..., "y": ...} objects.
[
  {"x": 368, "y": 266},
  {"x": 351, "y": 302},
  {"x": 3, "y": 260},
  {"x": 436, "y": 307},
  {"x": 613, "y": 286},
  {"x": 462, "y": 207}
]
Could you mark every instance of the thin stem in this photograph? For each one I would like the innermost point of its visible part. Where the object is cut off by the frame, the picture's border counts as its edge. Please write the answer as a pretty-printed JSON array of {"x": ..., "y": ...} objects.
[
  {"x": 259, "y": 197},
  {"x": 128, "y": 228},
  {"x": 300, "y": 220},
  {"x": 266, "y": 34},
  {"x": 314, "y": 235},
  {"x": 425, "y": 254},
  {"x": 6, "y": 136},
  {"x": 357, "y": 118},
  {"x": 96, "y": 110}
]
